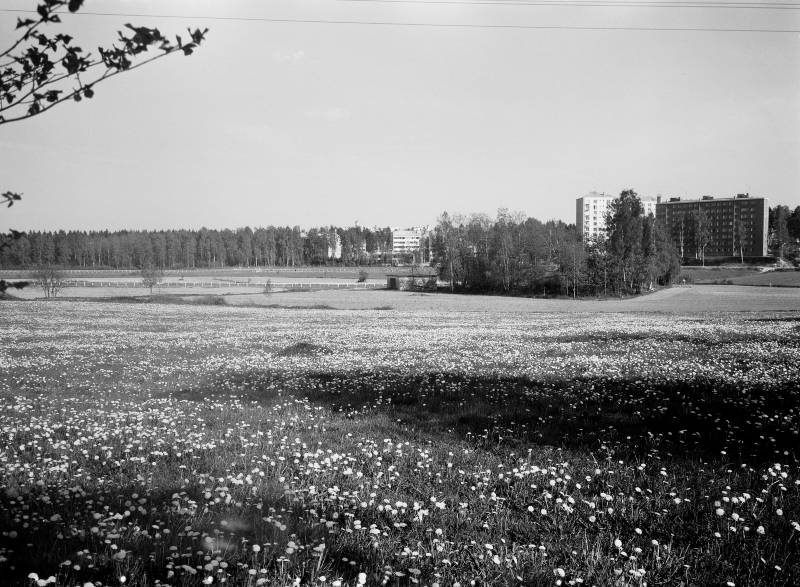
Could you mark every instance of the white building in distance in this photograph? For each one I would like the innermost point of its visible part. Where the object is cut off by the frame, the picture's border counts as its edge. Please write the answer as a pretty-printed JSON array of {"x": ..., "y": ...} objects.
[
  {"x": 407, "y": 240},
  {"x": 591, "y": 210},
  {"x": 334, "y": 245},
  {"x": 411, "y": 241}
]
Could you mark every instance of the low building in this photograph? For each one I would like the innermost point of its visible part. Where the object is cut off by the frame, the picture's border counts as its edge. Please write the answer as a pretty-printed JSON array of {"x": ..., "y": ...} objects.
[
  {"x": 733, "y": 227},
  {"x": 411, "y": 282}
]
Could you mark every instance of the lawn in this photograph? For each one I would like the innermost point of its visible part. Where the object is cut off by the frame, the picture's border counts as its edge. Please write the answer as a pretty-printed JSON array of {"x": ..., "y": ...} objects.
[
  {"x": 681, "y": 300},
  {"x": 746, "y": 276},
  {"x": 162, "y": 444}
]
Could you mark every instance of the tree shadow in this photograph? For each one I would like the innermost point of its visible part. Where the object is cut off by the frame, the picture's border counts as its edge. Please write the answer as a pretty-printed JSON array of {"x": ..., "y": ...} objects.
[{"x": 696, "y": 418}]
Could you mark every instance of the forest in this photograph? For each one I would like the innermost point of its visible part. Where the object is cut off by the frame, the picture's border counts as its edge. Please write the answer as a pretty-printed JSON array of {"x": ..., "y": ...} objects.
[
  {"x": 197, "y": 249},
  {"x": 513, "y": 254}
]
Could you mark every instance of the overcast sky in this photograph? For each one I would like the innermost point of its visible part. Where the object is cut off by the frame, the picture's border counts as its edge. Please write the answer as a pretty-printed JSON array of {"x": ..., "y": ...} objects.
[{"x": 327, "y": 124}]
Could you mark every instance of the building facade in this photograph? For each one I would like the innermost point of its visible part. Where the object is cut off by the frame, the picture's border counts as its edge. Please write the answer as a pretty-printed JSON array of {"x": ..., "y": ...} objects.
[
  {"x": 731, "y": 227},
  {"x": 410, "y": 241},
  {"x": 591, "y": 210}
]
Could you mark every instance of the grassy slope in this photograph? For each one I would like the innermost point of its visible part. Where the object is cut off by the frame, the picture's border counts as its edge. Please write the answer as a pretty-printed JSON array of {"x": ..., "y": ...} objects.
[{"x": 741, "y": 276}]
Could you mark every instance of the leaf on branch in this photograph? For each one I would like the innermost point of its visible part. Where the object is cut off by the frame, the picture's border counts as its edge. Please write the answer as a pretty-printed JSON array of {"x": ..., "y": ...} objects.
[
  {"x": 199, "y": 36},
  {"x": 75, "y": 5},
  {"x": 9, "y": 198},
  {"x": 23, "y": 23},
  {"x": 74, "y": 64}
]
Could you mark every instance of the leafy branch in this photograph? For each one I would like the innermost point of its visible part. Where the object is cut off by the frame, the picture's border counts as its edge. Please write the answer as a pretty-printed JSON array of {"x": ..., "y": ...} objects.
[{"x": 41, "y": 71}]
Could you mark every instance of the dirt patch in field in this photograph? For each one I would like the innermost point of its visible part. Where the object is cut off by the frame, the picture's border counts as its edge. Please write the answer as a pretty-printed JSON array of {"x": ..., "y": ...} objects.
[{"x": 304, "y": 349}]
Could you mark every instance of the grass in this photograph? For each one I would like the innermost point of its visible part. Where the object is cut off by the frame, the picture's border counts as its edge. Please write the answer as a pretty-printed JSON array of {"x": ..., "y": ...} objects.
[
  {"x": 750, "y": 277},
  {"x": 696, "y": 298},
  {"x": 183, "y": 444}
]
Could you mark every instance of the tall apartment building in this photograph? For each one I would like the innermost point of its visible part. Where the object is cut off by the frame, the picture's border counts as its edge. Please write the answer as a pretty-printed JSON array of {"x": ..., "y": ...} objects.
[
  {"x": 730, "y": 222},
  {"x": 590, "y": 214}
]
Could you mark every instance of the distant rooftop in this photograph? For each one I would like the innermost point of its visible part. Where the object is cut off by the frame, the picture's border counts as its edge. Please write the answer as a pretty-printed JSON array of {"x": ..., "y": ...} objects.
[
  {"x": 674, "y": 200},
  {"x": 594, "y": 194}
]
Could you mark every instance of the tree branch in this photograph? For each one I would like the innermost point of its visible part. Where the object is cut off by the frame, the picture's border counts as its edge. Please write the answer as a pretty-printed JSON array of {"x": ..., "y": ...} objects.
[
  {"x": 25, "y": 36},
  {"x": 109, "y": 73}
]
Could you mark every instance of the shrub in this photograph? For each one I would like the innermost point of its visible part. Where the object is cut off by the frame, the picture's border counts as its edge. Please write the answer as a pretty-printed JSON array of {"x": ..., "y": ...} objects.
[
  {"x": 210, "y": 301},
  {"x": 152, "y": 275}
]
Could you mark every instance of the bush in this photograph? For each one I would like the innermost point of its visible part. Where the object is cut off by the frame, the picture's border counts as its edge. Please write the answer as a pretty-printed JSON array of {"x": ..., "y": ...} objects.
[
  {"x": 211, "y": 301},
  {"x": 152, "y": 275},
  {"x": 362, "y": 276}
]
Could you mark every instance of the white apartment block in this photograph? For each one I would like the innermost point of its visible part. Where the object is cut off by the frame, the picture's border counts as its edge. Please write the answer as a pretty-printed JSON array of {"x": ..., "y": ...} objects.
[
  {"x": 590, "y": 214},
  {"x": 406, "y": 240}
]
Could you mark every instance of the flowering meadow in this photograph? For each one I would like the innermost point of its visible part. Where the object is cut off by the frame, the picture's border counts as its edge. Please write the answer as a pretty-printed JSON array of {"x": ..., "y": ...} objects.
[{"x": 204, "y": 445}]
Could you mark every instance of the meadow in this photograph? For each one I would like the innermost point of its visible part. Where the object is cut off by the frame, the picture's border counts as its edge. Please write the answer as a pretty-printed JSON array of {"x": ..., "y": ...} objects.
[{"x": 170, "y": 444}]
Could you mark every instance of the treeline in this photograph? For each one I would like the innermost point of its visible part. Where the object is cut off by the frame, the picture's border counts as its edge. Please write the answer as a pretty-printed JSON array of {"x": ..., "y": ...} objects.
[
  {"x": 784, "y": 231},
  {"x": 204, "y": 248},
  {"x": 513, "y": 254}
]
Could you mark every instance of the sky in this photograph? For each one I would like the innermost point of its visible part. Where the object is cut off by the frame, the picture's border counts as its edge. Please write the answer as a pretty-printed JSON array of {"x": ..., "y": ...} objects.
[{"x": 321, "y": 123}]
